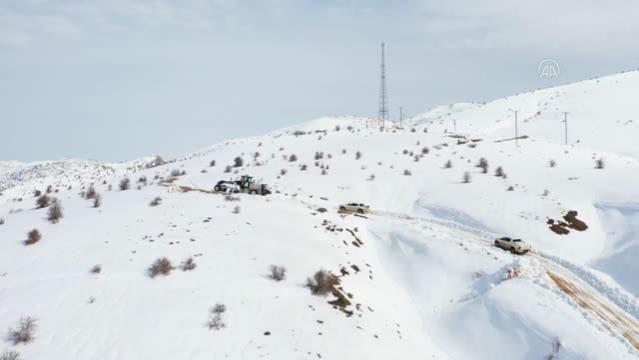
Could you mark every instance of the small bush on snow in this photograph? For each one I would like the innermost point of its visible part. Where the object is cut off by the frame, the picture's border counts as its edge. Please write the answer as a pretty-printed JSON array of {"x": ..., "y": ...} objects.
[
  {"x": 43, "y": 201},
  {"x": 322, "y": 282},
  {"x": 97, "y": 200},
  {"x": 600, "y": 164},
  {"x": 25, "y": 331},
  {"x": 125, "y": 184},
  {"x": 55, "y": 212},
  {"x": 215, "y": 318},
  {"x": 96, "y": 269},
  {"x": 554, "y": 352},
  {"x": 156, "y": 201},
  {"x": 278, "y": 273},
  {"x": 90, "y": 194},
  {"x": 188, "y": 264},
  {"x": 466, "y": 177},
  {"x": 33, "y": 237},
  {"x": 10, "y": 355},
  {"x": 161, "y": 266},
  {"x": 238, "y": 162}
]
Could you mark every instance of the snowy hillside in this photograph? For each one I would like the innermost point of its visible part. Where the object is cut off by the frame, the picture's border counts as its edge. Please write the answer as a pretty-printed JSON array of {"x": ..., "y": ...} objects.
[{"x": 419, "y": 277}]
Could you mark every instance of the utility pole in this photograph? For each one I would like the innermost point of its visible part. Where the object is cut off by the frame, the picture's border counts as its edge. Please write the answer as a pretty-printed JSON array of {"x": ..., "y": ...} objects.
[
  {"x": 401, "y": 115},
  {"x": 566, "y": 127},
  {"x": 516, "y": 130},
  {"x": 383, "y": 101}
]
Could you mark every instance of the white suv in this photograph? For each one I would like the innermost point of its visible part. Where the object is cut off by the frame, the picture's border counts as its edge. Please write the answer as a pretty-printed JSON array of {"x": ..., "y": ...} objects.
[{"x": 513, "y": 245}]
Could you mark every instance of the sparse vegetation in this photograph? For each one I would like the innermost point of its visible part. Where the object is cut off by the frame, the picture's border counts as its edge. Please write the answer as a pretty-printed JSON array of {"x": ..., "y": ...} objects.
[
  {"x": 90, "y": 194},
  {"x": 425, "y": 150},
  {"x": 97, "y": 200},
  {"x": 292, "y": 158},
  {"x": 215, "y": 317},
  {"x": 358, "y": 155},
  {"x": 125, "y": 184},
  {"x": 25, "y": 332},
  {"x": 43, "y": 201},
  {"x": 161, "y": 266},
  {"x": 303, "y": 167},
  {"x": 212, "y": 163},
  {"x": 55, "y": 212},
  {"x": 448, "y": 164},
  {"x": 236, "y": 210},
  {"x": 322, "y": 283},
  {"x": 407, "y": 173},
  {"x": 283, "y": 172},
  {"x": 238, "y": 162},
  {"x": 1, "y": 221},
  {"x": 499, "y": 172},
  {"x": 10, "y": 355},
  {"x": 600, "y": 164},
  {"x": 96, "y": 269},
  {"x": 188, "y": 264},
  {"x": 554, "y": 352},
  {"x": 483, "y": 164},
  {"x": 278, "y": 273},
  {"x": 552, "y": 163},
  {"x": 33, "y": 237},
  {"x": 466, "y": 178},
  {"x": 156, "y": 201}
]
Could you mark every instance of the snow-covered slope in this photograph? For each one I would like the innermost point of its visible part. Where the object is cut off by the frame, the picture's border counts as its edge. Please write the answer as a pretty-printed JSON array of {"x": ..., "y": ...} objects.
[{"x": 419, "y": 276}]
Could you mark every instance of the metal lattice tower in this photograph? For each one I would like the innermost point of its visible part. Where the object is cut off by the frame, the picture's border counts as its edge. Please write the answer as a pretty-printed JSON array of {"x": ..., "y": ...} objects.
[{"x": 383, "y": 101}]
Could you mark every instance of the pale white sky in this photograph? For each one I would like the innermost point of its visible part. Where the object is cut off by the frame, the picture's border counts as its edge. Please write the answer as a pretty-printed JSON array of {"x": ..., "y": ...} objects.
[{"x": 119, "y": 79}]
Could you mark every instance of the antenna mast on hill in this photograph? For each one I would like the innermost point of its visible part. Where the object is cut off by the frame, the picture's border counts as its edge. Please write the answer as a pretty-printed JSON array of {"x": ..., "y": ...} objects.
[{"x": 383, "y": 101}]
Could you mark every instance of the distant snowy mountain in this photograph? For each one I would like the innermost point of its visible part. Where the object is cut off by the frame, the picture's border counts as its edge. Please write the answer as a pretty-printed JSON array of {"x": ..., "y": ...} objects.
[{"x": 418, "y": 278}]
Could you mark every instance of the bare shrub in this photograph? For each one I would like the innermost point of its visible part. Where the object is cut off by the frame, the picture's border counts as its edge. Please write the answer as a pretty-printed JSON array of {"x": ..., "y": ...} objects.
[
  {"x": 212, "y": 163},
  {"x": 303, "y": 167},
  {"x": 425, "y": 150},
  {"x": 554, "y": 352},
  {"x": 97, "y": 200},
  {"x": 161, "y": 266},
  {"x": 319, "y": 155},
  {"x": 188, "y": 264},
  {"x": 292, "y": 158},
  {"x": 552, "y": 163},
  {"x": 510, "y": 188},
  {"x": 55, "y": 212},
  {"x": 90, "y": 194},
  {"x": 407, "y": 173},
  {"x": 448, "y": 164},
  {"x": 358, "y": 155},
  {"x": 1, "y": 221},
  {"x": 499, "y": 172},
  {"x": 142, "y": 180},
  {"x": 600, "y": 164},
  {"x": 156, "y": 201},
  {"x": 215, "y": 317},
  {"x": 227, "y": 169},
  {"x": 343, "y": 151},
  {"x": 25, "y": 332},
  {"x": 324, "y": 171},
  {"x": 49, "y": 189},
  {"x": 372, "y": 177},
  {"x": 283, "y": 172},
  {"x": 96, "y": 269},
  {"x": 10, "y": 355},
  {"x": 33, "y": 237},
  {"x": 236, "y": 210},
  {"x": 466, "y": 177},
  {"x": 238, "y": 162},
  {"x": 278, "y": 273},
  {"x": 322, "y": 283},
  {"x": 545, "y": 193},
  {"x": 37, "y": 193},
  {"x": 483, "y": 164},
  {"x": 43, "y": 201},
  {"x": 125, "y": 184}
]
